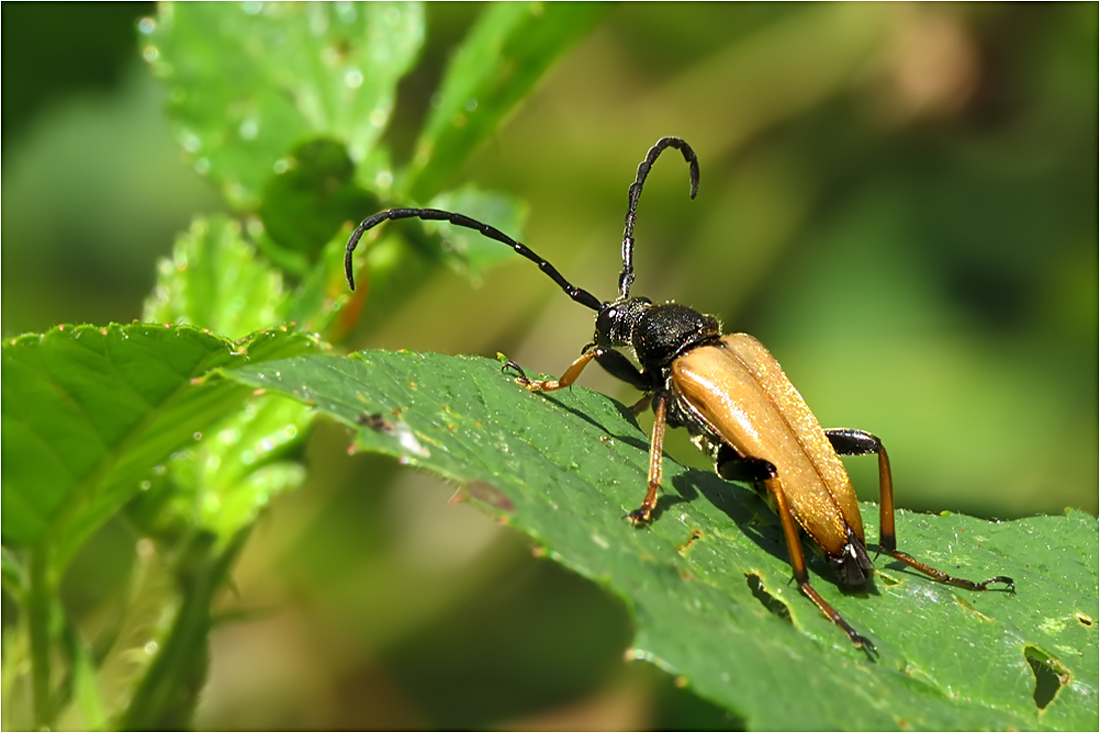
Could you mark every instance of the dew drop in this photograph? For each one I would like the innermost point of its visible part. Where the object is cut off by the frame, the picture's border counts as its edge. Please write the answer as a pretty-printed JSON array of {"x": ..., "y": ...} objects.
[
  {"x": 150, "y": 53},
  {"x": 248, "y": 128},
  {"x": 378, "y": 117},
  {"x": 191, "y": 143},
  {"x": 147, "y": 25},
  {"x": 353, "y": 78}
]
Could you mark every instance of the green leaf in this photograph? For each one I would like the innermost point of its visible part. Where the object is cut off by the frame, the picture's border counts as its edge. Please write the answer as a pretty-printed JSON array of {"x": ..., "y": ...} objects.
[
  {"x": 503, "y": 57},
  {"x": 88, "y": 412},
  {"x": 251, "y": 80},
  {"x": 214, "y": 280},
  {"x": 323, "y": 299},
  {"x": 708, "y": 582},
  {"x": 309, "y": 200},
  {"x": 220, "y": 483}
]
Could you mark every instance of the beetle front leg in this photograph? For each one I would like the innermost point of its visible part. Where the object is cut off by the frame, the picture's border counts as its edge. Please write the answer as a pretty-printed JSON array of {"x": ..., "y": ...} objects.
[
  {"x": 850, "y": 442},
  {"x": 566, "y": 379}
]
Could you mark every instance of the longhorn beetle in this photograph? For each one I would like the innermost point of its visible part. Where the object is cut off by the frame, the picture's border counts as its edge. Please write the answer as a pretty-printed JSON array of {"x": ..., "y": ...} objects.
[{"x": 733, "y": 398}]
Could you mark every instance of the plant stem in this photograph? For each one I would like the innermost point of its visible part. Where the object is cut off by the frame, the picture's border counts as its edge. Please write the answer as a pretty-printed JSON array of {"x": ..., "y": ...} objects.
[{"x": 40, "y": 594}]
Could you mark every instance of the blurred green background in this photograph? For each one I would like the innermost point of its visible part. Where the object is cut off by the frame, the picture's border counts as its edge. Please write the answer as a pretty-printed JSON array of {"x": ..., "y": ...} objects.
[{"x": 898, "y": 200}]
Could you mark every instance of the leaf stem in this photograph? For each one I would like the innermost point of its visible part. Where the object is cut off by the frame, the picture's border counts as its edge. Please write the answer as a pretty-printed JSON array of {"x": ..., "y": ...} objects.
[{"x": 40, "y": 598}]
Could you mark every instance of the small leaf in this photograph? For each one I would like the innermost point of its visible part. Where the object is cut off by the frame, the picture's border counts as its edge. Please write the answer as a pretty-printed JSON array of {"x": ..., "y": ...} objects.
[
  {"x": 309, "y": 200},
  {"x": 88, "y": 412},
  {"x": 214, "y": 280},
  {"x": 709, "y": 581},
  {"x": 322, "y": 303},
  {"x": 503, "y": 57},
  {"x": 220, "y": 483},
  {"x": 249, "y": 80}
]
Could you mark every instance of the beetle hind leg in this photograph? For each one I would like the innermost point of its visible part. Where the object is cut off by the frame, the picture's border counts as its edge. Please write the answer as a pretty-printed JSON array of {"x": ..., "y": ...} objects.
[
  {"x": 732, "y": 466},
  {"x": 850, "y": 442},
  {"x": 798, "y": 565}
]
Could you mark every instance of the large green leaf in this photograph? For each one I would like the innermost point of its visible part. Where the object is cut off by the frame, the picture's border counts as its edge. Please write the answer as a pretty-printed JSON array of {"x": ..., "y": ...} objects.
[
  {"x": 88, "y": 412},
  {"x": 708, "y": 582},
  {"x": 251, "y": 80},
  {"x": 505, "y": 54}
]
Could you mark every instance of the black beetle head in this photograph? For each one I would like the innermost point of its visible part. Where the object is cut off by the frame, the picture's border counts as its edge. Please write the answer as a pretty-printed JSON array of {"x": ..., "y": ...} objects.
[{"x": 616, "y": 321}]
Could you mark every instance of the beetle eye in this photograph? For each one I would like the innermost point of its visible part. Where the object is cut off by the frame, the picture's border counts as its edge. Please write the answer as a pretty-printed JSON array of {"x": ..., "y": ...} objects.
[{"x": 605, "y": 322}]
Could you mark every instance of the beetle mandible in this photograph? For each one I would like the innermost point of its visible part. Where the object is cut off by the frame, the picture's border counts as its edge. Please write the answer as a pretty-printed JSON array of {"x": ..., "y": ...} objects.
[{"x": 734, "y": 399}]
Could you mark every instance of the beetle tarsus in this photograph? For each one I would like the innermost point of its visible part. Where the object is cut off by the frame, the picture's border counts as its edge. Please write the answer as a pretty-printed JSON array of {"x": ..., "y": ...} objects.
[
  {"x": 535, "y": 385},
  {"x": 935, "y": 574},
  {"x": 862, "y": 642},
  {"x": 1010, "y": 584}
]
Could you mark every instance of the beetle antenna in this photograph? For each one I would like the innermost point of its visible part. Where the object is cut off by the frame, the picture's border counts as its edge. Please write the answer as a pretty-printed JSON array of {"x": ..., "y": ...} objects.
[
  {"x": 626, "y": 277},
  {"x": 583, "y": 297}
]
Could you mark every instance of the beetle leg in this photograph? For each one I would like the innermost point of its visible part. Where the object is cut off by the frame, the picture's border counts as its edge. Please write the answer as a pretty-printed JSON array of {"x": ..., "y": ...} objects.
[
  {"x": 566, "y": 379},
  {"x": 798, "y": 565},
  {"x": 732, "y": 466},
  {"x": 850, "y": 442},
  {"x": 642, "y": 514},
  {"x": 640, "y": 406},
  {"x": 620, "y": 367}
]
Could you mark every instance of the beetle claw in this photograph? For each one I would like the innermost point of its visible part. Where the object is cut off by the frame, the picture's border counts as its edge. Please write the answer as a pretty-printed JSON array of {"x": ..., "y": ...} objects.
[
  {"x": 862, "y": 642},
  {"x": 515, "y": 367},
  {"x": 639, "y": 517}
]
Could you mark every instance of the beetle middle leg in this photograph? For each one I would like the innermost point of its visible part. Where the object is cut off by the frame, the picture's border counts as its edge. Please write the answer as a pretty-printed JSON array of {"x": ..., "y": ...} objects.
[
  {"x": 643, "y": 514},
  {"x": 851, "y": 442}
]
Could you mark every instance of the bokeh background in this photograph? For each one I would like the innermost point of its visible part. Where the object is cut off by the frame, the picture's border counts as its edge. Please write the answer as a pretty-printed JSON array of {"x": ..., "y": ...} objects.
[{"x": 899, "y": 200}]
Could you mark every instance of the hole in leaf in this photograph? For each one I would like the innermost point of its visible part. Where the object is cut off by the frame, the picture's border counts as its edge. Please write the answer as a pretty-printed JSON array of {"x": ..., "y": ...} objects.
[
  {"x": 886, "y": 579},
  {"x": 767, "y": 600},
  {"x": 1084, "y": 619},
  {"x": 1049, "y": 673}
]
